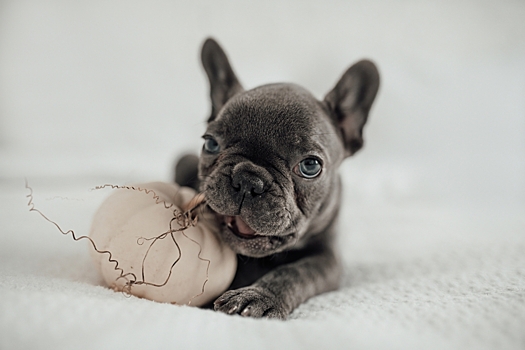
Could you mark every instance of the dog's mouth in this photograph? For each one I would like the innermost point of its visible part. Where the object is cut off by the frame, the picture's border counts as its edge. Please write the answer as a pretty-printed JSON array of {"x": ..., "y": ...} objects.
[
  {"x": 245, "y": 240},
  {"x": 239, "y": 227}
]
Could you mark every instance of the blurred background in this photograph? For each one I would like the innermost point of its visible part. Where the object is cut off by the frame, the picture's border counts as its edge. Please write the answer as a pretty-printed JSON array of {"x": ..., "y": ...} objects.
[{"x": 115, "y": 89}]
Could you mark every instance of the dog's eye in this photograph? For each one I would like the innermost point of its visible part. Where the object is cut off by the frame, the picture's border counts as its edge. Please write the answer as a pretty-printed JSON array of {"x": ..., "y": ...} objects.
[
  {"x": 211, "y": 145},
  {"x": 309, "y": 168}
]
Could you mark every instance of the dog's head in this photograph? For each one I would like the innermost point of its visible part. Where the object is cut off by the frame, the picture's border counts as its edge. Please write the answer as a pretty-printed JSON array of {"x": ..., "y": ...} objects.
[{"x": 269, "y": 162}]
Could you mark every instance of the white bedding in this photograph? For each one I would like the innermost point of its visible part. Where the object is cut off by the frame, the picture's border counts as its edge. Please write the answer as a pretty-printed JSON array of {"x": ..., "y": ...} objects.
[{"x": 416, "y": 276}]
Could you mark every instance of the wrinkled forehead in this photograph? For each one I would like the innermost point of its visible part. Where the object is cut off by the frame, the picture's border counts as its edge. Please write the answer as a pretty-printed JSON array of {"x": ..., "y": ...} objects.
[{"x": 274, "y": 117}]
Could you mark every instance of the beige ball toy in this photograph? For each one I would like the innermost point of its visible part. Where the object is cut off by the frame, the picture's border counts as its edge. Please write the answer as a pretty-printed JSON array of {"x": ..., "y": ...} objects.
[{"x": 163, "y": 246}]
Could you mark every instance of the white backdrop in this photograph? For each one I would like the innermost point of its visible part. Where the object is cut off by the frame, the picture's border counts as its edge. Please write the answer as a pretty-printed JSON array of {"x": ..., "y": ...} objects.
[{"x": 91, "y": 86}]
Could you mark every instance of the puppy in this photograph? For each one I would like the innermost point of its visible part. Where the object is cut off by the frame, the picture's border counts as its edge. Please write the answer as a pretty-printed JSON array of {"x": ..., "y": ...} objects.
[{"x": 269, "y": 169}]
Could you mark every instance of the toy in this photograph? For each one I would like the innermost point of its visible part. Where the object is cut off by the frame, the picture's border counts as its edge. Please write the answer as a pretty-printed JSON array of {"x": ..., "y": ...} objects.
[{"x": 162, "y": 245}]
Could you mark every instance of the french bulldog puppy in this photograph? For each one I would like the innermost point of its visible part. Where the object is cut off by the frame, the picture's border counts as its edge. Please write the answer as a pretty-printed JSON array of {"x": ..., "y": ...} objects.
[{"x": 269, "y": 169}]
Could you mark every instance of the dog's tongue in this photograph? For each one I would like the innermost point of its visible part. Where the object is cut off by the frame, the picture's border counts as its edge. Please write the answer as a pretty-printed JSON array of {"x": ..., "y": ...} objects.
[{"x": 243, "y": 227}]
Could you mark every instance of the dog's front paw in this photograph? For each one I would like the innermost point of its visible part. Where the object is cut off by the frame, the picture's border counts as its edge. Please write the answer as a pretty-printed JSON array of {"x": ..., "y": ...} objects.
[{"x": 252, "y": 302}]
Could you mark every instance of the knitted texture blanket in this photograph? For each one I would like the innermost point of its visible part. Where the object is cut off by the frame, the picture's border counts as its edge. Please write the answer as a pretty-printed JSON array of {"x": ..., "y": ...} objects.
[{"x": 417, "y": 275}]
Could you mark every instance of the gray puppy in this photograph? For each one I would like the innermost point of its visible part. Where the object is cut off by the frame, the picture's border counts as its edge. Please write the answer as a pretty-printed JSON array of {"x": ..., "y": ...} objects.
[{"x": 269, "y": 169}]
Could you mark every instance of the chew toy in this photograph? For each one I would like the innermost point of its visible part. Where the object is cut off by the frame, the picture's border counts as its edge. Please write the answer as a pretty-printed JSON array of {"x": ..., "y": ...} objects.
[{"x": 163, "y": 246}]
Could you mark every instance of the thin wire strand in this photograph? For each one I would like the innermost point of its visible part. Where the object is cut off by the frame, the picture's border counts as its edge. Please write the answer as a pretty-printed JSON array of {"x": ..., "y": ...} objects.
[
  {"x": 186, "y": 219},
  {"x": 136, "y": 188},
  {"x": 31, "y": 206}
]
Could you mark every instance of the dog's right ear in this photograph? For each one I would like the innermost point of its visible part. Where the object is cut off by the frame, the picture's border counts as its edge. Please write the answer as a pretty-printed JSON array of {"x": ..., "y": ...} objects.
[{"x": 223, "y": 82}]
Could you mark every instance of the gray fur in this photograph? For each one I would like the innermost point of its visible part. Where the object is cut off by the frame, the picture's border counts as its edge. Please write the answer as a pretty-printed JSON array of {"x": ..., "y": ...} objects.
[{"x": 263, "y": 135}]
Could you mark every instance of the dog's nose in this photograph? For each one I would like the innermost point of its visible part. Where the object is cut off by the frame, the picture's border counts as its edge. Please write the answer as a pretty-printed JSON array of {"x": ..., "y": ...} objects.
[
  {"x": 248, "y": 183},
  {"x": 249, "y": 179}
]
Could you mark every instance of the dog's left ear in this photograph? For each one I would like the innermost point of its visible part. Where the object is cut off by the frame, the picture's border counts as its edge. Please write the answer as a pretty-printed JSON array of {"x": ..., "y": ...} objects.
[
  {"x": 223, "y": 81},
  {"x": 350, "y": 101}
]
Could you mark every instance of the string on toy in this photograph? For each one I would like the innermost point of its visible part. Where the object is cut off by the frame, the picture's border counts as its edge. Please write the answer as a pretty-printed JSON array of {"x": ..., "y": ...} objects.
[
  {"x": 208, "y": 262},
  {"x": 31, "y": 206},
  {"x": 156, "y": 197},
  {"x": 196, "y": 203},
  {"x": 184, "y": 219}
]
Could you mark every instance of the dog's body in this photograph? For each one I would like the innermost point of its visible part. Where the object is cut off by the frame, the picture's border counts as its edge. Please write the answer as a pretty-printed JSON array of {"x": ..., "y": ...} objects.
[{"x": 269, "y": 169}]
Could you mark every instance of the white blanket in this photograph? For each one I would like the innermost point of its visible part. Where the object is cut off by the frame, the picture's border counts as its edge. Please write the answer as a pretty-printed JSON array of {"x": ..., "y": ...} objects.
[{"x": 416, "y": 276}]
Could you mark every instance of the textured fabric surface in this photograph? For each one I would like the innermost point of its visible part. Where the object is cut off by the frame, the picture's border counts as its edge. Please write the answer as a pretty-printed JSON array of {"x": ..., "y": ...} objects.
[{"x": 416, "y": 276}]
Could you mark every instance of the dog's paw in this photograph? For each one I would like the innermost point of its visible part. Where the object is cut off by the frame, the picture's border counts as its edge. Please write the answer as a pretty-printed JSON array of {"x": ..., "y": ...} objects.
[{"x": 251, "y": 302}]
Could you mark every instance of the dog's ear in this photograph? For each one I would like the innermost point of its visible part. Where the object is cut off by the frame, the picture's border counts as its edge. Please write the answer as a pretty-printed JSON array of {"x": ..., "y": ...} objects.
[
  {"x": 223, "y": 82},
  {"x": 350, "y": 101}
]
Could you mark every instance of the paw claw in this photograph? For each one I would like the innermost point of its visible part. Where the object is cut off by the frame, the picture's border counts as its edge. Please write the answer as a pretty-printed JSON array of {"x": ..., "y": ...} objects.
[
  {"x": 247, "y": 311},
  {"x": 251, "y": 302},
  {"x": 232, "y": 309}
]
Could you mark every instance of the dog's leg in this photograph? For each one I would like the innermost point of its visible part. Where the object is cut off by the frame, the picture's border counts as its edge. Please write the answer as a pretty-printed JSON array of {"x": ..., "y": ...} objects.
[
  {"x": 187, "y": 171},
  {"x": 279, "y": 292}
]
